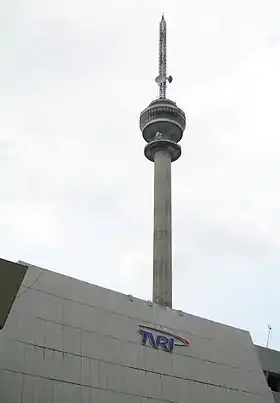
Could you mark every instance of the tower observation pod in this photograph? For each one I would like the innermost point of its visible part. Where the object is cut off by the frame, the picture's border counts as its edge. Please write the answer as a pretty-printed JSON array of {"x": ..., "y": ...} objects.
[{"x": 162, "y": 124}]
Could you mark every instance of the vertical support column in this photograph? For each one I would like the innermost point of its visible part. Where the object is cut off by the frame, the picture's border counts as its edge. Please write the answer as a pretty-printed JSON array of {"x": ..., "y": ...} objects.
[{"x": 162, "y": 265}]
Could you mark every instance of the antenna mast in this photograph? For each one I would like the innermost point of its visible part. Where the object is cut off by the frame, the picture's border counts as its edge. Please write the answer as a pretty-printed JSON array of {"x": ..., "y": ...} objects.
[
  {"x": 268, "y": 336},
  {"x": 162, "y": 78}
]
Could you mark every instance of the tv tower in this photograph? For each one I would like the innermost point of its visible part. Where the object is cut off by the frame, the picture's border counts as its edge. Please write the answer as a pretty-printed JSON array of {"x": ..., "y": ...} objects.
[{"x": 162, "y": 124}]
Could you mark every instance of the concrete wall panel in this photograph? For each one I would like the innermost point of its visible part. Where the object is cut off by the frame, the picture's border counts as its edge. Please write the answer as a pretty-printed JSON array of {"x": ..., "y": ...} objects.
[
  {"x": 270, "y": 359},
  {"x": 10, "y": 386},
  {"x": 69, "y": 341}
]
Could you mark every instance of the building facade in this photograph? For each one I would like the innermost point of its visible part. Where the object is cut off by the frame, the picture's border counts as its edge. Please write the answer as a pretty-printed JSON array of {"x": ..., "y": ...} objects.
[
  {"x": 270, "y": 361},
  {"x": 69, "y": 341}
]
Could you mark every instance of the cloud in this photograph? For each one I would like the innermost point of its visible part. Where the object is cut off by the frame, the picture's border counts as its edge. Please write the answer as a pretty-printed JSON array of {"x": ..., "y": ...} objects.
[{"x": 76, "y": 190}]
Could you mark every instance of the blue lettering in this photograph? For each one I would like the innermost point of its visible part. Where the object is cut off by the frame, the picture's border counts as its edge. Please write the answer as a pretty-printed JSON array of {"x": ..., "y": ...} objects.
[
  {"x": 147, "y": 335},
  {"x": 165, "y": 343}
]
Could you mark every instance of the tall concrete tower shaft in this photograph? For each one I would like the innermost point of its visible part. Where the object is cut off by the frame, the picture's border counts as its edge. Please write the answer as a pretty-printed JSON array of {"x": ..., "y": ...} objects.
[{"x": 162, "y": 124}]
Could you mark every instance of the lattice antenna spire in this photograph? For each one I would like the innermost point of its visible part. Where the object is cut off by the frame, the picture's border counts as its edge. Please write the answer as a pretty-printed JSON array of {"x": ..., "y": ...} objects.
[{"x": 162, "y": 77}]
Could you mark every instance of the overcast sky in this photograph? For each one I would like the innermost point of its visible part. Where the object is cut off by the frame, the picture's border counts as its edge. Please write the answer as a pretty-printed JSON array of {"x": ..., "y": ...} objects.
[{"x": 76, "y": 189}]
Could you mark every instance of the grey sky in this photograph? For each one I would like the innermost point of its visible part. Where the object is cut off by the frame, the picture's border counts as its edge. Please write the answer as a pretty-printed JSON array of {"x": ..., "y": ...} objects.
[{"x": 76, "y": 190}]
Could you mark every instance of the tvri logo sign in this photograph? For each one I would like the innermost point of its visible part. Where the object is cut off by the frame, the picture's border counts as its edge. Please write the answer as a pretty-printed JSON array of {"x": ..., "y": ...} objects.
[{"x": 161, "y": 339}]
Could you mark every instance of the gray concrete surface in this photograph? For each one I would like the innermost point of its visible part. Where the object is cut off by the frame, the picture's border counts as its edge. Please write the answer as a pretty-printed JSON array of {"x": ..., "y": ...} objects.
[
  {"x": 270, "y": 359},
  {"x": 162, "y": 265},
  {"x": 270, "y": 362},
  {"x": 70, "y": 341}
]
